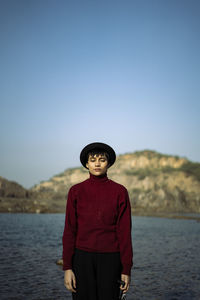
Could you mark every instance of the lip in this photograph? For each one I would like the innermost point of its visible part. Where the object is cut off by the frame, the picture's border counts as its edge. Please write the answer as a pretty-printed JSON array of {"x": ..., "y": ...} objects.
[{"x": 97, "y": 169}]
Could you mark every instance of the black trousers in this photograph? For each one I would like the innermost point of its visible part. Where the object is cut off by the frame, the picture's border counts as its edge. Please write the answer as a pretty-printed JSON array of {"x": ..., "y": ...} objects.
[{"x": 97, "y": 275}]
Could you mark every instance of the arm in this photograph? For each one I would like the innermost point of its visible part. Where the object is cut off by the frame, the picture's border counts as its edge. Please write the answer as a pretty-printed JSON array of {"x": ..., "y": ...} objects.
[
  {"x": 124, "y": 237},
  {"x": 69, "y": 237}
]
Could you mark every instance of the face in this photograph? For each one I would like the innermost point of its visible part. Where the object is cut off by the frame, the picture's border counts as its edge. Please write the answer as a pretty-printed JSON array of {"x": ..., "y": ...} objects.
[{"x": 97, "y": 164}]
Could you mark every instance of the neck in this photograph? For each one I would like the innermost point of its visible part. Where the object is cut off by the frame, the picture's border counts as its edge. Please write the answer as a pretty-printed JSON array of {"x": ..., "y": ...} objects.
[{"x": 101, "y": 178}]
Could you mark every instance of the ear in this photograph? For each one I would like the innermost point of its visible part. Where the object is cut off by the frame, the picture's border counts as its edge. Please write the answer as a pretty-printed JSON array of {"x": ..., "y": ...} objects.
[{"x": 86, "y": 165}]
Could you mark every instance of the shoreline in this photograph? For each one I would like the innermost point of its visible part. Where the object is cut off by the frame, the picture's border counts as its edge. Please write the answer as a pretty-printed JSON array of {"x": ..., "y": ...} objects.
[{"x": 169, "y": 215}]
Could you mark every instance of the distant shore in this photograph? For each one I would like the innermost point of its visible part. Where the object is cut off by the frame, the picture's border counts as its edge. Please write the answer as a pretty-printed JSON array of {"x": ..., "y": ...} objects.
[
  {"x": 135, "y": 212},
  {"x": 169, "y": 215}
]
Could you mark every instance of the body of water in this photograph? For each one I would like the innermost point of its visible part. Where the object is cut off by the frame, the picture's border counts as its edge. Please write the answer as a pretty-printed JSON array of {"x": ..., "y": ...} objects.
[{"x": 166, "y": 258}]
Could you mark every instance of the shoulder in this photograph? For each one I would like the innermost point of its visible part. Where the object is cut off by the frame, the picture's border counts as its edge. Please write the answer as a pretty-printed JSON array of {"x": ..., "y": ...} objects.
[
  {"x": 121, "y": 193},
  {"x": 78, "y": 186},
  {"x": 121, "y": 188},
  {"x": 75, "y": 190}
]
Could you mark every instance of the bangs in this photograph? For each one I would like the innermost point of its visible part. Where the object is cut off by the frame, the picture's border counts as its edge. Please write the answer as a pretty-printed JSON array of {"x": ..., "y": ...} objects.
[{"x": 98, "y": 152}]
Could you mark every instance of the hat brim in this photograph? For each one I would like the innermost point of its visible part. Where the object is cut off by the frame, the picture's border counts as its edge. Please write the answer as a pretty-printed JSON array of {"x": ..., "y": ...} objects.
[{"x": 97, "y": 146}]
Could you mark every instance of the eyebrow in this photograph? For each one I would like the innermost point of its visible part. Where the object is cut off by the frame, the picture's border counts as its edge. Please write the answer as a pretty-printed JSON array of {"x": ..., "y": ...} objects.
[{"x": 99, "y": 156}]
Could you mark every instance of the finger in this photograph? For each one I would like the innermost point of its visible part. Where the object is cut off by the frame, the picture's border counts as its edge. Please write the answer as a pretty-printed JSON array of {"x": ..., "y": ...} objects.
[
  {"x": 126, "y": 289},
  {"x": 123, "y": 287},
  {"x": 70, "y": 288},
  {"x": 71, "y": 285},
  {"x": 74, "y": 281},
  {"x": 68, "y": 285},
  {"x": 73, "y": 290},
  {"x": 65, "y": 284}
]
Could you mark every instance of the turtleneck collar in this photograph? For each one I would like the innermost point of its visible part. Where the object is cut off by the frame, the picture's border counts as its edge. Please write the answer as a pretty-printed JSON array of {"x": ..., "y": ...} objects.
[{"x": 101, "y": 178}]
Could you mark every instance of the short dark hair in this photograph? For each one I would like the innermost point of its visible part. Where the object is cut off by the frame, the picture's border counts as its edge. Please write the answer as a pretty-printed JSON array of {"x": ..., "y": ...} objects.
[{"x": 98, "y": 152}]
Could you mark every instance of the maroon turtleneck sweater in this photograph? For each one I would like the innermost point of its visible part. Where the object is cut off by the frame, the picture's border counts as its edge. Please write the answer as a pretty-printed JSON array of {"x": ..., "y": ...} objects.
[{"x": 98, "y": 219}]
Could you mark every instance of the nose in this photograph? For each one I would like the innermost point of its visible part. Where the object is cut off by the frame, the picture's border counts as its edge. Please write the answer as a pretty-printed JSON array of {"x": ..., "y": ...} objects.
[{"x": 97, "y": 163}]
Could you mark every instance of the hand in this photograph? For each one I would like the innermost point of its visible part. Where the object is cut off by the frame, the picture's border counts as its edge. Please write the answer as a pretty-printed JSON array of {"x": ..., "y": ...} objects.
[
  {"x": 126, "y": 279},
  {"x": 70, "y": 280}
]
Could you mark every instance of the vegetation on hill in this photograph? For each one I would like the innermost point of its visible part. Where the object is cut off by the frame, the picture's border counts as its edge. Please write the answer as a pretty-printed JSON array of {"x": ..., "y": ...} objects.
[
  {"x": 189, "y": 168},
  {"x": 156, "y": 183},
  {"x": 192, "y": 169}
]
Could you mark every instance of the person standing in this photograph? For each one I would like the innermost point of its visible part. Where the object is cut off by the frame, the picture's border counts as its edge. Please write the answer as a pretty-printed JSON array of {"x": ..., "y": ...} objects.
[{"x": 97, "y": 244}]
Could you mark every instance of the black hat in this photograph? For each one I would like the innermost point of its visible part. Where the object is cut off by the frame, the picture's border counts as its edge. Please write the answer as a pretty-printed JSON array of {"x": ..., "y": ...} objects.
[{"x": 97, "y": 146}]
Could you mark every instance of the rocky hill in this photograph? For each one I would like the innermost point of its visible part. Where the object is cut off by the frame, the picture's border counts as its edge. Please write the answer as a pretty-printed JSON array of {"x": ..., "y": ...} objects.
[
  {"x": 157, "y": 183},
  {"x": 12, "y": 196}
]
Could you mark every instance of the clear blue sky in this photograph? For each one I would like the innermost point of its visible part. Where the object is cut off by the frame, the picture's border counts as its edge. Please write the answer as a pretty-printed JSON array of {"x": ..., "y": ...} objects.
[{"x": 73, "y": 72}]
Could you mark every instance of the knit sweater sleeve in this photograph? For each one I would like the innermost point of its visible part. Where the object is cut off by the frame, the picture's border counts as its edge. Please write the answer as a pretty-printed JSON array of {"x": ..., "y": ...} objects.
[
  {"x": 69, "y": 234},
  {"x": 124, "y": 226}
]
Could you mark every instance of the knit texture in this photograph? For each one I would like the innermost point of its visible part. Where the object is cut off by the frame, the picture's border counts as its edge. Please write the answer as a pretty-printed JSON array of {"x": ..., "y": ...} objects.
[{"x": 98, "y": 219}]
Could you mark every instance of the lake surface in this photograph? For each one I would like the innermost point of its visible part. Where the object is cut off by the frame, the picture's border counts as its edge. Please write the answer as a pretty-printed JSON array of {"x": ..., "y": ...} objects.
[{"x": 166, "y": 258}]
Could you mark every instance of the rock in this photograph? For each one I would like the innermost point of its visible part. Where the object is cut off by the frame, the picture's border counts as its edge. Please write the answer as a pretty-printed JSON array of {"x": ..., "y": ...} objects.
[
  {"x": 156, "y": 183},
  {"x": 12, "y": 189},
  {"x": 59, "y": 262}
]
